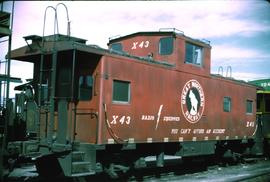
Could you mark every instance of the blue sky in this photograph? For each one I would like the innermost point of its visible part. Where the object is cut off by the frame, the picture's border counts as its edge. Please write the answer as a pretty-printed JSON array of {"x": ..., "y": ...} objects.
[{"x": 239, "y": 31}]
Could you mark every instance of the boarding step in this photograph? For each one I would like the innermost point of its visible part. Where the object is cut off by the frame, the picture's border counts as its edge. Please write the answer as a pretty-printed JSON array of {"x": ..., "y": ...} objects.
[
  {"x": 76, "y": 146},
  {"x": 80, "y": 167},
  {"x": 251, "y": 160},
  {"x": 82, "y": 174},
  {"x": 78, "y": 156}
]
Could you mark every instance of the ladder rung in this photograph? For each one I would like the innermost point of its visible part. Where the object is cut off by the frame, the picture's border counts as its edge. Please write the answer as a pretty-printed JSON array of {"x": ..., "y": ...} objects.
[
  {"x": 47, "y": 70},
  {"x": 46, "y": 88}
]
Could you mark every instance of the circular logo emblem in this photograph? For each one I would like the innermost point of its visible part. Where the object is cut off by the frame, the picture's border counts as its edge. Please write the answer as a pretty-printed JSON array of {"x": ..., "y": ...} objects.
[{"x": 192, "y": 101}]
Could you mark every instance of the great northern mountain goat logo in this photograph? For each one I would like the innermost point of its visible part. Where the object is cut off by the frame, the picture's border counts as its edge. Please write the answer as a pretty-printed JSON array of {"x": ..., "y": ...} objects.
[{"x": 192, "y": 101}]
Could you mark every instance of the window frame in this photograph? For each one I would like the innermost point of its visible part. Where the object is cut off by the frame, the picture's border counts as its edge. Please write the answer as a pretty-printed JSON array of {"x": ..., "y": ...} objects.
[
  {"x": 117, "y": 44},
  {"x": 202, "y": 54},
  {"x": 89, "y": 86},
  {"x": 128, "y": 94},
  {"x": 172, "y": 46},
  {"x": 230, "y": 104},
  {"x": 247, "y": 106}
]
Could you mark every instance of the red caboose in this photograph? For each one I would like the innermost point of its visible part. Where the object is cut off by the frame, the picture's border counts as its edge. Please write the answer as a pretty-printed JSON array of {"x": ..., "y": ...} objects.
[
  {"x": 149, "y": 94},
  {"x": 173, "y": 96}
]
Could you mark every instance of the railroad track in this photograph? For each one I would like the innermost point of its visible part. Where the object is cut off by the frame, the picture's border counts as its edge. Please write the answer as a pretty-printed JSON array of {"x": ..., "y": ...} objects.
[
  {"x": 254, "y": 170},
  {"x": 251, "y": 170}
]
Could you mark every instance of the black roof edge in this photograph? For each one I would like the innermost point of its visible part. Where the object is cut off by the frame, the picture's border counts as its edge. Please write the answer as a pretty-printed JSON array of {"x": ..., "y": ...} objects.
[
  {"x": 56, "y": 37},
  {"x": 235, "y": 80}
]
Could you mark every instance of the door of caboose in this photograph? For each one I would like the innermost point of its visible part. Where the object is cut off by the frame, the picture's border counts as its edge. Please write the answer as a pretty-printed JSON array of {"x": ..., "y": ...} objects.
[
  {"x": 75, "y": 97},
  {"x": 85, "y": 108}
]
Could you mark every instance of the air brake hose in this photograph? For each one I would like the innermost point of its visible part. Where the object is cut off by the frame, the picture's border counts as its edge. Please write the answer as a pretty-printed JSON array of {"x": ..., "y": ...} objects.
[{"x": 117, "y": 139}]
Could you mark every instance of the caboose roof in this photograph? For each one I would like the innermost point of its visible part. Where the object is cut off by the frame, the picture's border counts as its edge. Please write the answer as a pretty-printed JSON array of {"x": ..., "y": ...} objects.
[
  {"x": 171, "y": 32},
  {"x": 32, "y": 52},
  {"x": 52, "y": 38}
]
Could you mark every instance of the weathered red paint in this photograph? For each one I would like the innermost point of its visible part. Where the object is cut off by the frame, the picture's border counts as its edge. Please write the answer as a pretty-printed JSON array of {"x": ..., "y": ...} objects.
[
  {"x": 153, "y": 86},
  {"x": 156, "y": 111}
]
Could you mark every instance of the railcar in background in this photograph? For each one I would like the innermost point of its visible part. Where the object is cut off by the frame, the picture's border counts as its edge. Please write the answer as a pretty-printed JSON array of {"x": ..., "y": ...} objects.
[{"x": 263, "y": 110}]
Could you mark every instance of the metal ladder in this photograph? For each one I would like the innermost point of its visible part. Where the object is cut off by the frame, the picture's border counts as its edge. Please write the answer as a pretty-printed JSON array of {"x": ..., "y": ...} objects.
[
  {"x": 75, "y": 164},
  {"x": 51, "y": 71}
]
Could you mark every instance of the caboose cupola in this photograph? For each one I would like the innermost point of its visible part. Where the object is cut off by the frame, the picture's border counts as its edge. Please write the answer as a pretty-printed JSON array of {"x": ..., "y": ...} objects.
[{"x": 168, "y": 46}]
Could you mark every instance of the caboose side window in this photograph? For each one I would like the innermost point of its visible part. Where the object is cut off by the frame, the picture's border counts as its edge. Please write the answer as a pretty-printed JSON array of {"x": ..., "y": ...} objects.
[
  {"x": 249, "y": 106},
  {"x": 117, "y": 47},
  {"x": 121, "y": 91},
  {"x": 85, "y": 87},
  {"x": 193, "y": 54},
  {"x": 227, "y": 104},
  {"x": 165, "y": 46}
]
